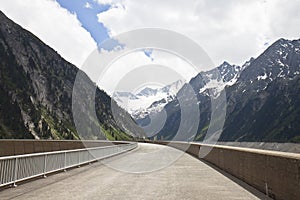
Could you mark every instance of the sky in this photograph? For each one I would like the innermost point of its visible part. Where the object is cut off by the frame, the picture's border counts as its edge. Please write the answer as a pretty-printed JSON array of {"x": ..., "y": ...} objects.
[{"x": 231, "y": 30}]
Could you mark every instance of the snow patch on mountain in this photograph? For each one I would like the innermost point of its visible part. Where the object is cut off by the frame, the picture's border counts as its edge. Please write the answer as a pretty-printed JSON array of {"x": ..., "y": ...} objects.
[
  {"x": 262, "y": 77},
  {"x": 214, "y": 81},
  {"x": 147, "y": 100}
]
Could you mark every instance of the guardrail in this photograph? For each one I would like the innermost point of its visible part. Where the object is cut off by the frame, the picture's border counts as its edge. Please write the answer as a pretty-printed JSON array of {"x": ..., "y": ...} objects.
[{"x": 22, "y": 167}]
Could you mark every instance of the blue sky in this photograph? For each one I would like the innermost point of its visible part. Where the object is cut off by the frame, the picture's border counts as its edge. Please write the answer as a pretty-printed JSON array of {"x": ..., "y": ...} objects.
[
  {"x": 88, "y": 16},
  {"x": 86, "y": 12}
]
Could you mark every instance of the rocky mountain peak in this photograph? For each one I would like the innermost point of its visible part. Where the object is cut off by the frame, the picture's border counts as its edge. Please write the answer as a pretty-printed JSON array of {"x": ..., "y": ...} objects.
[{"x": 279, "y": 61}]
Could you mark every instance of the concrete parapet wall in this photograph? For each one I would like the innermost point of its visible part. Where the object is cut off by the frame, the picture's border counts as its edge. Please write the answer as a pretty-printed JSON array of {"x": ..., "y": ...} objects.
[
  {"x": 276, "y": 174},
  {"x": 18, "y": 147}
]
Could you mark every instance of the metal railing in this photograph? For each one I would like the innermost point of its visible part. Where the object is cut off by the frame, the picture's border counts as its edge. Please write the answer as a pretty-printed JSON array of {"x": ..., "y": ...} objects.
[{"x": 21, "y": 167}]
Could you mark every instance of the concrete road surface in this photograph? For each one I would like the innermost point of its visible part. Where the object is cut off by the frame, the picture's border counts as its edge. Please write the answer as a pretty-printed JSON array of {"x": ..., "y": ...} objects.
[{"x": 138, "y": 174}]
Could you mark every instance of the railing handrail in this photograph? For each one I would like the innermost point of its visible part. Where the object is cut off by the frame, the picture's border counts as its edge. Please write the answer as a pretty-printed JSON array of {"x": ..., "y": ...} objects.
[
  {"x": 57, "y": 152},
  {"x": 26, "y": 166}
]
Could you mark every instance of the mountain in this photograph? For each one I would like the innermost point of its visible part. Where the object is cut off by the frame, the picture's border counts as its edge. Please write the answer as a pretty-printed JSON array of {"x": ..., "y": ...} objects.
[
  {"x": 216, "y": 79},
  {"x": 263, "y": 102},
  {"x": 148, "y": 100},
  {"x": 204, "y": 85},
  {"x": 36, "y": 86}
]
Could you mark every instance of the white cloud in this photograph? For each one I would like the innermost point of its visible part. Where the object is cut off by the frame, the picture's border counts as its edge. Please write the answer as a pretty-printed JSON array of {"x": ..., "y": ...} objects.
[
  {"x": 135, "y": 70},
  {"x": 108, "y": 2},
  {"x": 232, "y": 30},
  {"x": 54, "y": 25},
  {"x": 88, "y": 5}
]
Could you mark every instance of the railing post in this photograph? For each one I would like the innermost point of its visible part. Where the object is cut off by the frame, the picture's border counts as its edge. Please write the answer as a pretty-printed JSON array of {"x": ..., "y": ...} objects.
[
  {"x": 65, "y": 158},
  {"x": 15, "y": 172},
  {"x": 78, "y": 158},
  {"x": 90, "y": 157},
  {"x": 45, "y": 165}
]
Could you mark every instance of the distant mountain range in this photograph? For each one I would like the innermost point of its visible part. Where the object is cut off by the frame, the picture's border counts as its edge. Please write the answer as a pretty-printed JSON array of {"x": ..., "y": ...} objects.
[
  {"x": 36, "y": 86},
  {"x": 148, "y": 100},
  {"x": 262, "y": 96}
]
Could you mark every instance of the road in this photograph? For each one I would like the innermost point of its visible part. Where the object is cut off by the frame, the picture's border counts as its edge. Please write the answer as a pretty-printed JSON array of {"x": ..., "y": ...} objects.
[{"x": 138, "y": 174}]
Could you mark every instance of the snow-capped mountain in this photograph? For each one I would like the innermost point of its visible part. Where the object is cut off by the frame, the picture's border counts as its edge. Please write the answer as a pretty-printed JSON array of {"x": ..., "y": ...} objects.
[
  {"x": 204, "y": 84},
  {"x": 215, "y": 80},
  {"x": 264, "y": 104},
  {"x": 279, "y": 61},
  {"x": 147, "y": 100},
  {"x": 263, "y": 101},
  {"x": 150, "y": 101}
]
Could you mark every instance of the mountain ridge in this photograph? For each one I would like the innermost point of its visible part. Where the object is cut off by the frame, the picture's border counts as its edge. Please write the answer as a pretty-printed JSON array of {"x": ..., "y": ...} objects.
[
  {"x": 264, "y": 83},
  {"x": 37, "y": 84}
]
